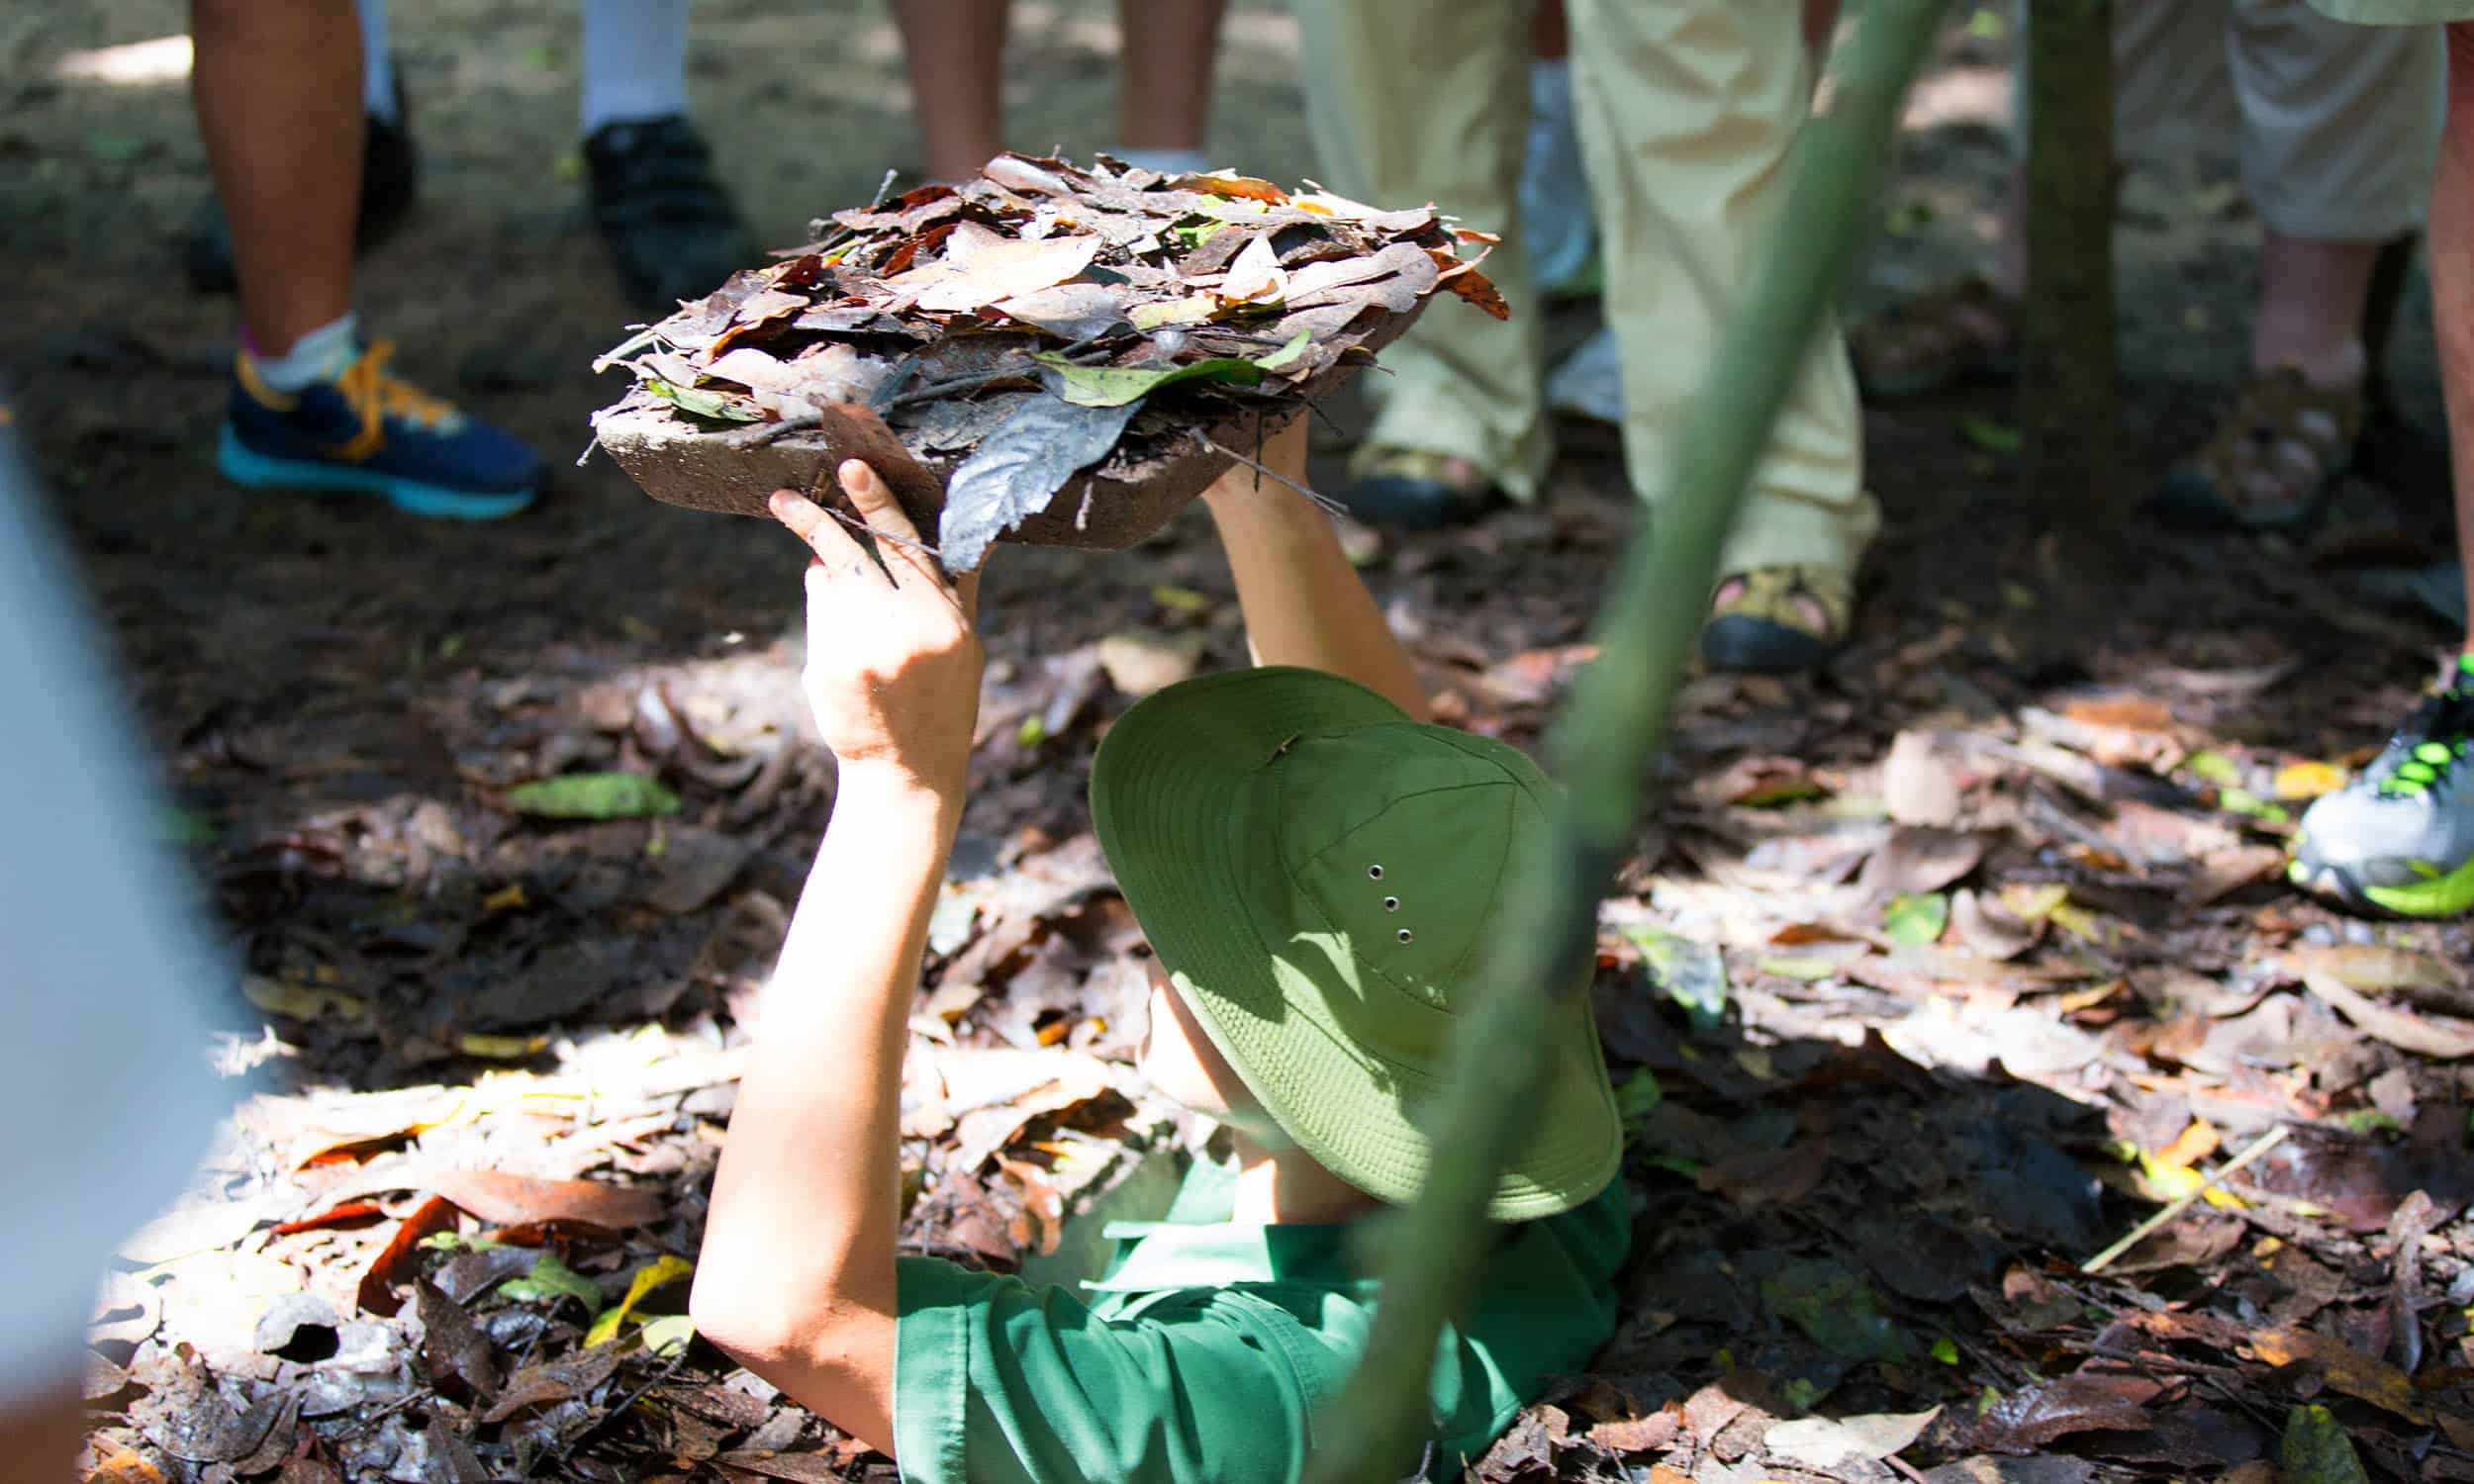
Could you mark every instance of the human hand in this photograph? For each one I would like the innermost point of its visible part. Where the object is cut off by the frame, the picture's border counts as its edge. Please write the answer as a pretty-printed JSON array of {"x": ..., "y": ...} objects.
[{"x": 892, "y": 660}]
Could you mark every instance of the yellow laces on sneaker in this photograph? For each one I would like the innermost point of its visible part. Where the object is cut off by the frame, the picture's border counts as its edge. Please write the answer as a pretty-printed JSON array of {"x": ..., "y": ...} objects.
[{"x": 376, "y": 397}]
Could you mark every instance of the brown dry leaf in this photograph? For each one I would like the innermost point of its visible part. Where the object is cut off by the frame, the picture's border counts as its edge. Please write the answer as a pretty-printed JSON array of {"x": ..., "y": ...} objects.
[
  {"x": 558, "y": 1381},
  {"x": 2376, "y": 968},
  {"x": 2136, "y": 714},
  {"x": 799, "y": 1468},
  {"x": 2348, "y": 1371},
  {"x": 513, "y": 1199},
  {"x": 975, "y": 273},
  {"x": 396, "y": 1264},
  {"x": 2192, "y": 1144},
  {"x": 1917, "y": 859},
  {"x": 2405, "y": 1032},
  {"x": 1638, "y": 1435},
  {"x": 1920, "y": 783},
  {"x": 2222, "y": 873},
  {"x": 994, "y": 1093},
  {"x": 1763, "y": 1178},
  {"x": 1140, "y": 663},
  {"x": 2027, "y": 1421},
  {"x": 1987, "y": 928}
]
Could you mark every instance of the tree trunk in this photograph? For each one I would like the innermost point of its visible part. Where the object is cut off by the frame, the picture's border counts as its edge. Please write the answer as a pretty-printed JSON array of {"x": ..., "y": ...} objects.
[
  {"x": 2070, "y": 394},
  {"x": 1429, "y": 1255}
]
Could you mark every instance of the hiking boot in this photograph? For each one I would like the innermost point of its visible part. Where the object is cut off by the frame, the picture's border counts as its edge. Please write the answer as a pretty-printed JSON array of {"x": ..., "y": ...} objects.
[
  {"x": 366, "y": 433},
  {"x": 2400, "y": 838},
  {"x": 390, "y": 180},
  {"x": 671, "y": 228}
]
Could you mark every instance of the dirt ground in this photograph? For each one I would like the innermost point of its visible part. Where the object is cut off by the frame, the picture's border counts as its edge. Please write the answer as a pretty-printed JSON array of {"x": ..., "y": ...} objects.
[{"x": 1983, "y": 919}]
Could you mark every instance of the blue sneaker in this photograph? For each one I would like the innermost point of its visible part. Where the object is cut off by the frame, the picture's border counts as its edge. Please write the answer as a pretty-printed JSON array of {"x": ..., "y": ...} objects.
[{"x": 367, "y": 432}]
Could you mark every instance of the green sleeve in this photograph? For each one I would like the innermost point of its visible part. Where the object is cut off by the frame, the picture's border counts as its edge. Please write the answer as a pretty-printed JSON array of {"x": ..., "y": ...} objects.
[{"x": 998, "y": 1382}]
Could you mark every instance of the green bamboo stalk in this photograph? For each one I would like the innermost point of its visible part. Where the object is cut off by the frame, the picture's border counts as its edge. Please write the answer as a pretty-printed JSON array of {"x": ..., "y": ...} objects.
[{"x": 1617, "y": 720}]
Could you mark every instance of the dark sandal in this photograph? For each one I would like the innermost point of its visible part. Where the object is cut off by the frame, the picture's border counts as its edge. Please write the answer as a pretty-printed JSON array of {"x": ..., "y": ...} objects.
[
  {"x": 1413, "y": 489},
  {"x": 2272, "y": 460},
  {"x": 1962, "y": 332},
  {"x": 1766, "y": 626}
]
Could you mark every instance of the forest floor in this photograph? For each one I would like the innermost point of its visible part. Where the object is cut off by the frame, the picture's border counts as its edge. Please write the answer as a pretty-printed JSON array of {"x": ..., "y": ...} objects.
[{"x": 1935, "y": 972}]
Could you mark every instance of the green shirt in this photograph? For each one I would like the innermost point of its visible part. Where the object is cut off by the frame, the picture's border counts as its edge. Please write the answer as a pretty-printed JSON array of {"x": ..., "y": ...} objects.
[{"x": 1204, "y": 1353}]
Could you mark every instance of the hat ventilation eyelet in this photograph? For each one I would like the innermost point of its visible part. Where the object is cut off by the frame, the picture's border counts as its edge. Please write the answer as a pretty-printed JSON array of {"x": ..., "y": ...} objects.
[
  {"x": 1391, "y": 904},
  {"x": 1406, "y": 935},
  {"x": 1374, "y": 872}
]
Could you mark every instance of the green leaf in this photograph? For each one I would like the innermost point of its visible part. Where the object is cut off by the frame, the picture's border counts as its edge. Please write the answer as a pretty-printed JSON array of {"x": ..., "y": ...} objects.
[
  {"x": 1287, "y": 354},
  {"x": 1800, "y": 967},
  {"x": 1989, "y": 435},
  {"x": 1988, "y": 24},
  {"x": 1115, "y": 385},
  {"x": 1636, "y": 1099},
  {"x": 1946, "y": 1352},
  {"x": 1180, "y": 600},
  {"x": 186, "y": 826},
  {"x": 2215, "y": 767},
  {"x": 668, "y": 1335},
  {"x": 551, "y": 1280},
  {"x": 593, "y": 796},
  {"x": 714, "y": 404},
  {"x": 1034, "y": 730},
  {"x": 1683, "y": 1164},
  {"x": 2243, "y": 801},
  {"x": 1837, "y": 1309},
  {"x": 1916, "y": 918},
  {"x": 1691, "y": 974},
  {"x": 2316, "y": 1450}
]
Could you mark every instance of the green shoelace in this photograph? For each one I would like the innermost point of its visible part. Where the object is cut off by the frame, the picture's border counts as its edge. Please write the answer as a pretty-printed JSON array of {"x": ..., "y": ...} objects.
[{"x": 2429, "y": 760}]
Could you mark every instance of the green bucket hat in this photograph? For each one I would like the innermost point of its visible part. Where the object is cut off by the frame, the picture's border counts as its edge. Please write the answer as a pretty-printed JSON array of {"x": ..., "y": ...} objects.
[{"x": 1320, "y": 877}]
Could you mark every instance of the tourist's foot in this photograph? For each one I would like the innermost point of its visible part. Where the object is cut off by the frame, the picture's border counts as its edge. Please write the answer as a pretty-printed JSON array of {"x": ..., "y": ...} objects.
[
  {"x": 2272, "y": 460},
  {"x": 670, "y": 226},
  {"x": 1415, "y": 490},
  {"x": 1778, "y": 619},
  {"x": 390, "y": 181},
  {"x": 1966, "y": 330},
  {"x": 2400, "y": 838},
  {"x": 367, "y": 432}
]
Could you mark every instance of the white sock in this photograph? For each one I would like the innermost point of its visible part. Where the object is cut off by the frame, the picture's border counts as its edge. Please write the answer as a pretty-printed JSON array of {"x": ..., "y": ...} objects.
[
  {"x": 634, "y": 60},
  {"x": 320, "y": 356},
  {"x": 377, "y": 63},
  {"x": 1166, "y": 161}
]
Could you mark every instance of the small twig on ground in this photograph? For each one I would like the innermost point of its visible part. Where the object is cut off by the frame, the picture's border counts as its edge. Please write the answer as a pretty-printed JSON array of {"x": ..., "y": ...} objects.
[
  {"x": 2137, "y": 1233},
  {"x": 1328, "y": 506}
]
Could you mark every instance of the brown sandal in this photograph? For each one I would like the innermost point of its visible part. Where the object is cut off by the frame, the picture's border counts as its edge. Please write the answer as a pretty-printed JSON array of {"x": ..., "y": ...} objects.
[
  {"x": 1961, "y": 332},
  {"x": 2272, "y": 460}
]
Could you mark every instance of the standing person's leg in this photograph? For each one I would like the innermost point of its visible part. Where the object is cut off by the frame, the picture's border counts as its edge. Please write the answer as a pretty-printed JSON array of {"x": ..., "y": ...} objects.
[
  {"x": 669, "y": 224},
  {"x": 389, "y": 170},
  {"x": 1412, "y": 101},
  {"x": 956, "y": 53},
  {"x": 2400, "y": 838},
  {"x": 1686, "y": 110},
  {"x": 1164, "y": 86},
  {"x": 2338, "y": 126},
  {"x": 278, "y": 94},
  {"x": 1554, "y": 215},
  {"x": 277, "y": 86}
]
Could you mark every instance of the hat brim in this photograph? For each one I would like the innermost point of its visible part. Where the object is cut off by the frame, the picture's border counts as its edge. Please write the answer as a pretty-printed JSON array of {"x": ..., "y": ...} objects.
[{"x": 1170, "y": 793}]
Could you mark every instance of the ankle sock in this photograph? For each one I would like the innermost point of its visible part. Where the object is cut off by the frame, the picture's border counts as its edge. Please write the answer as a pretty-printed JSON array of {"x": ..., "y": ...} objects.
[
  {"x": 377, "y": 63},
  {"x": 1166, "y": 161},
  {"x": 635, "y": 61},
  {"x": 320, "y": 356}
]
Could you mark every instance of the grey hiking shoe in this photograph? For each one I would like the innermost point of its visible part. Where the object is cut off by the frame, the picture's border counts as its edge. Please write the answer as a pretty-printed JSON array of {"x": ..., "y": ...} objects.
[{"x": 2400, "y": 838}]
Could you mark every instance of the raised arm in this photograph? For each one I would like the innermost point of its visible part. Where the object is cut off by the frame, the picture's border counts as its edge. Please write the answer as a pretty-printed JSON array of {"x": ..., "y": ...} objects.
[
  {"x": 1304, "y": 604},
  {"x": 795, "y": 1279}
]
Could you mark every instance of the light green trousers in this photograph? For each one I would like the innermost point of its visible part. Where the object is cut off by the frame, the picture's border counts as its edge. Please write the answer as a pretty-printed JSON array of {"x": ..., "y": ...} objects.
[{"x": 1685, "y": 108}]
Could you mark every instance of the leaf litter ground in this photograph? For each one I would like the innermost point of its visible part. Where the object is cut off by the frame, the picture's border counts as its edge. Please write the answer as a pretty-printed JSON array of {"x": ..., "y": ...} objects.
[{"x": 1939, "y": 972}]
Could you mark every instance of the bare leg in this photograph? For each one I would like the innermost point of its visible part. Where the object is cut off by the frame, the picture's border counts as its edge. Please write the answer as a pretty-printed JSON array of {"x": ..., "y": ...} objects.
[
  {"x": 1164, "y": 99},
  {"x": 278, "y": 90},
  {"x": 2310, "y": 297},
  {"x": 2452, "y": 285},
  {"x": 956, "y": 53}
]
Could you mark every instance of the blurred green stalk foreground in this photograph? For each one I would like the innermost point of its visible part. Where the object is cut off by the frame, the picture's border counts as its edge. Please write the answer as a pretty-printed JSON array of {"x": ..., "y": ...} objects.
[{"x": 1602, "y": 745}]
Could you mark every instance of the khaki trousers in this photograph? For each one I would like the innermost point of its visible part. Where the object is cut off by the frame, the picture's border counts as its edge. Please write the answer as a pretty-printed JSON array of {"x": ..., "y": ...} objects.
[
  {"x": 2338, "y": 126},
  {"x": 1685, "y": 108}
]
